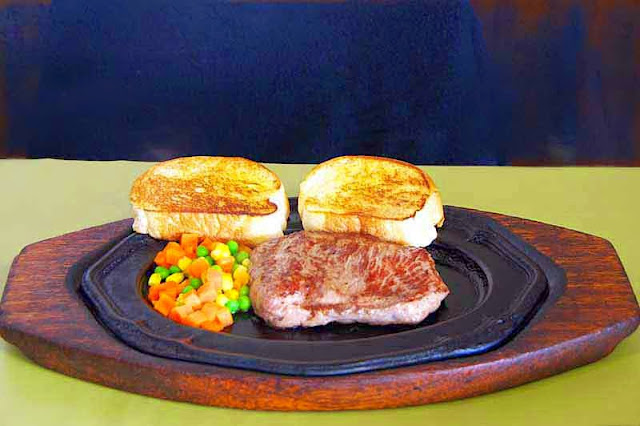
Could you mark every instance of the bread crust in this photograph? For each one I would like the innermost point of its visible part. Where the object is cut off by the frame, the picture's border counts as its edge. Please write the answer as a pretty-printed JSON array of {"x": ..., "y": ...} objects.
[
  {"x": 225, "y": 185},
  {"x": 413, "y": 224},
  {"x": 183, "y": 196}
]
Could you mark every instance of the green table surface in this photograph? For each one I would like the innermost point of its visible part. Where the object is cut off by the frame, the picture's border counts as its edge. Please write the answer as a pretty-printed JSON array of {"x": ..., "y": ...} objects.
[{"x": 45, "y": 198}]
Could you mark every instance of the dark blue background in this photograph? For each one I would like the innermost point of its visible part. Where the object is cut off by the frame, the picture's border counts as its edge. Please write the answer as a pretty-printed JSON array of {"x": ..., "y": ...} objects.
[{"x": 430, "y": 82}]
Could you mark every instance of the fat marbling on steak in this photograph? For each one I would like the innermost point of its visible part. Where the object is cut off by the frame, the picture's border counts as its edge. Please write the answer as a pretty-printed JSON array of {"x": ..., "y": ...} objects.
[{"x": 314, "y": 278}]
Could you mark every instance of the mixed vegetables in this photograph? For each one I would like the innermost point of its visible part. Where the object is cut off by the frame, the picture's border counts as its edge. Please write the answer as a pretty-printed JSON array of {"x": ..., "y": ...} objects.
[{"x": 201, "y": 283}]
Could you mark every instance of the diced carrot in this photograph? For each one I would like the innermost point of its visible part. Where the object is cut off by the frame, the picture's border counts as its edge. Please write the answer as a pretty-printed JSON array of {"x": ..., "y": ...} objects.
[
  {"x": 225, "y": 317},
  {"x": 161, "y": 259},
  {"x": 156, "y": 290},
  {"x": 211, "y": 326},
  {"x": 189, "y": 243},
  {"x": 196, "y": 318},
  {"x": 187, "y": 321},
  {"x": 207, "y": 243},
  {"x": 171, "y": 292},
  {"x": 164, "y": 304},
  {"x": 173, "y": 255},
  {"x": 179, "y": 313},
  {"x": 172, "y": 244},
  {"x": 193, "y": 300},
  {"x": 198, "y": 267},
  {"x": 214, "y": 278},
  {"x": 189, "y": 240},
  {"x": 207, "y": 293},
  {"x": 242, "y": 247},
  {"x": 226, "y": 263},
  {"x": 174, "y": 316},
  {"x": 210, "y": 310}
]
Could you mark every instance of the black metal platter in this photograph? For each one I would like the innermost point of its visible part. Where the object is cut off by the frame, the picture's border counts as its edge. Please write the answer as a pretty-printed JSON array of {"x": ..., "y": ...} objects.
[{"x": 497, "y": 282}]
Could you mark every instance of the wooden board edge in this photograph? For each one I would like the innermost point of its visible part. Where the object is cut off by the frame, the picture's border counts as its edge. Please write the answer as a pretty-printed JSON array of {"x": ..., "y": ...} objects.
[
  {"x": 56, "y": 358},
  {"x": 414, "y": 388}
]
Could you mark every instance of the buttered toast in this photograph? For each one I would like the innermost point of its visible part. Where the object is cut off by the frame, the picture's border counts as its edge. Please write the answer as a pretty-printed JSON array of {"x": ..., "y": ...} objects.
[
  {"x": 218, "y": 197},
  {"x": 383, "y": 197}
]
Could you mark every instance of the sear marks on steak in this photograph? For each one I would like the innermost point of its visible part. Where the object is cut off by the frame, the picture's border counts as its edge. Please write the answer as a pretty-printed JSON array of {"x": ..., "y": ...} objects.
[{"x": 314, "y": 278}]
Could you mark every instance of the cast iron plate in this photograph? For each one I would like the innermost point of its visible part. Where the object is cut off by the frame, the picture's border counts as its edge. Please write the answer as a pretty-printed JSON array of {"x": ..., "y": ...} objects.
[{"x": 497, "y": 285}]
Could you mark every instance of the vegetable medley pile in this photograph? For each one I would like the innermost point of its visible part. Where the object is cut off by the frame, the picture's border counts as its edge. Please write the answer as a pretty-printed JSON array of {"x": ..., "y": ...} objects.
[{"x": 201, "y": 283}]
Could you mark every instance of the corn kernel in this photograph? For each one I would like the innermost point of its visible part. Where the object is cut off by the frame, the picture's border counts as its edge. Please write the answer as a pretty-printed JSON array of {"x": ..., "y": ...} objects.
[
  {"x": 241, "y": 276},
  {"x": 222, "y": 300},
  {"x": 177, "y": 278},
  {"x": 227, "y": 282},
  {"x": 155, "y": 279},
  {"x": 239, "y": 271},
  {"x": 184, "y": 263},
  {"x": 180, "y": 300},
  {"x": 241, "y": 281},
  {"x": 219, "y": 251},
  {"x": 232, "y": 294},
  {"x": 246, "y": 263}
]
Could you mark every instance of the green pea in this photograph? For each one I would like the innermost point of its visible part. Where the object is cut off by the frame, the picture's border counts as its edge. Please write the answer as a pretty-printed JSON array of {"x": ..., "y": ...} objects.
[
  {"x": 242, "y": 256},
  {"x": 233, "y": 306},
  {"x": 202, "y": 251},
  {"x": 244, "y": 290},
  {"x": 186, "y": 290},
  {"x": 233, "y": 247},
  {"x": 234, "y": 267},
  {"x": 217, "y": 268},
  {"x": 244, "y": 303},
  {"x": 210, "y": 260},
  {"x": 174, "y": 269},
  {"x": 162, "y": 271},
  {"x": 195, "y": 283}
]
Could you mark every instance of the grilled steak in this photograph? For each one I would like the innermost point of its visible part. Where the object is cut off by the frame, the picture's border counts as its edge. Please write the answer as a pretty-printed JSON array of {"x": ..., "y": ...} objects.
[{"x": 314, "y": 278}]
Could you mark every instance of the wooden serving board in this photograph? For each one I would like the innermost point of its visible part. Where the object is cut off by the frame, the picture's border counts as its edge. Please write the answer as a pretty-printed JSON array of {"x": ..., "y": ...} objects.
[{"x": 597, "y": 310}]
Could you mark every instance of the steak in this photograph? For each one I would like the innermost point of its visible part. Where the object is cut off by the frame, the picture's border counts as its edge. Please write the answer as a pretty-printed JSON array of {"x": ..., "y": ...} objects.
[{"x": 314, "y": 278}]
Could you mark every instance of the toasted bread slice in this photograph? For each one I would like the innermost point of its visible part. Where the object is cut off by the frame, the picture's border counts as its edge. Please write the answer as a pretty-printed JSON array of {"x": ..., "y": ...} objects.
[
  {"x": 387, "y": 198},
  {"x": 217, "y": 197}
]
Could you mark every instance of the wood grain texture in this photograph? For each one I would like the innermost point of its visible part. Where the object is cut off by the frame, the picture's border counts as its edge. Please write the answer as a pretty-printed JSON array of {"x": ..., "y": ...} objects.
[{"x": 597, "y": 310}]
